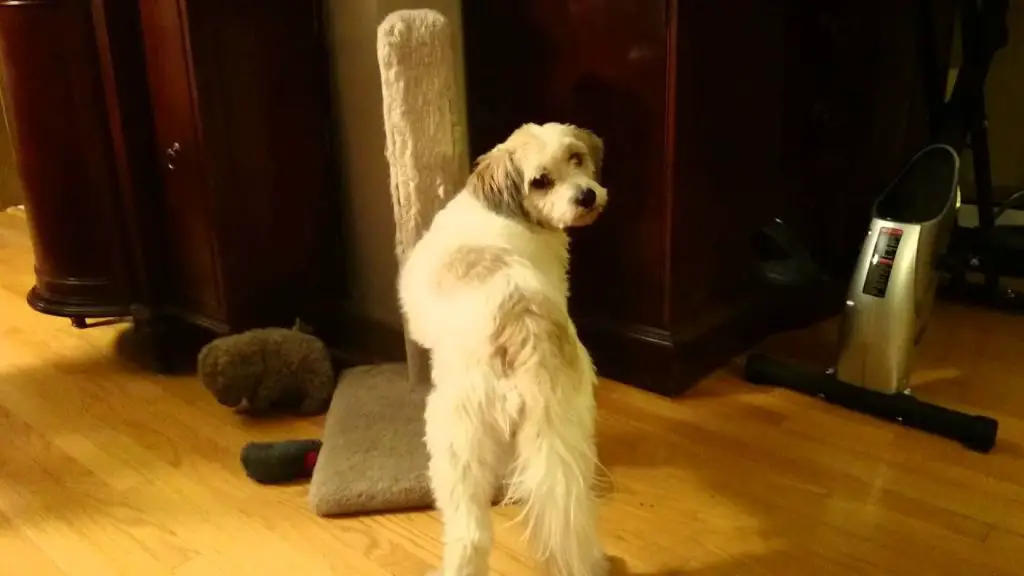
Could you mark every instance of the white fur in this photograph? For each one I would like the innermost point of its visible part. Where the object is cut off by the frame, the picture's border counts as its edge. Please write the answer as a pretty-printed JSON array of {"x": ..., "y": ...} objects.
[{"x": 533, "y": 426}]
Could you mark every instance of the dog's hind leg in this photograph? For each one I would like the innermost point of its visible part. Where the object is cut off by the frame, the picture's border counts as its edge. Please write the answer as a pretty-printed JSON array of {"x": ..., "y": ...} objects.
[
  {"x": 553, "y": 477},
  {"x": 467, "y": 461}
]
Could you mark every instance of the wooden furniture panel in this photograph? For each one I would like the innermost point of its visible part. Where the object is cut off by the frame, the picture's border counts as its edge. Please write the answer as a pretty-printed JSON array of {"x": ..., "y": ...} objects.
[
  {"x": 176, "y": 156},
  {"x": 716, "y": 118},
  {"x": 624, "y": 72},
  {"x": 607, "y": 56},
  {"x": 186, "y": 202},
  {"x": 262, "y": 100},
  {"x": 54, "y": 98}
]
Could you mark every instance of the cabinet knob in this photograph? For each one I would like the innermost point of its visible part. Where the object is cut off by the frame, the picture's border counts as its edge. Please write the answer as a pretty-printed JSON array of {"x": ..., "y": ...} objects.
[{"x": 172, "y": 153}]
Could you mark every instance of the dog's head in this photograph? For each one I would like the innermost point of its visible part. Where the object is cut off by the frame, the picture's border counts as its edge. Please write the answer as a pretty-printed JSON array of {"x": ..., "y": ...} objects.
[{"x": 546, "y": 175}]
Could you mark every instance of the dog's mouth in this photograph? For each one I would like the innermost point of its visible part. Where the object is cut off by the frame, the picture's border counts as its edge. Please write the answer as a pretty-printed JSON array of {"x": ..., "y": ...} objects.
[{"x": 587, "y": 217}]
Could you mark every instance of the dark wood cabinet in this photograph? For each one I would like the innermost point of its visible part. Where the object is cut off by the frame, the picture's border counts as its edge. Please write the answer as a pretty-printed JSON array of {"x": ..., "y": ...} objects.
[
  {"x": 185, "y": 213},
  {"x": 717, "y": 117},
  {"x": 55, "y": 102},
  {"x": 176, "y": 157},
  {"x": 241, "y": 135}
]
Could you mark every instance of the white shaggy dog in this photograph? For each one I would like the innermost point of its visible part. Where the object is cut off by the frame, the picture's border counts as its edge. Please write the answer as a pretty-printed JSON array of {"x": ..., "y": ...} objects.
[{"x": 485, "y": 292}]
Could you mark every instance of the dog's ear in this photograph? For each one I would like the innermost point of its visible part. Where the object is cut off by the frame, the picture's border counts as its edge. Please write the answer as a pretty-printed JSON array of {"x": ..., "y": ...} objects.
[
  {"x": 497, "y": 182},
  {"x": 595, "y": 146}
]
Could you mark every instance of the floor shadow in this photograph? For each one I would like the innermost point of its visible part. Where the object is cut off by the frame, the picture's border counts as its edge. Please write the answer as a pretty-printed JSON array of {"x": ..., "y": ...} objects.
[{"x": 167, "y": 347}]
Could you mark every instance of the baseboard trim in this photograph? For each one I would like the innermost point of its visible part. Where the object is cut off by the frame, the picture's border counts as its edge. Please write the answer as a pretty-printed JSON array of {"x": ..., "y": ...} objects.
[
  {"x": 658, "y": 360},
  {"x": 669, "y": 363},
  {"x": 665, "y": 363},
  {"x": 639, "y": 356}
]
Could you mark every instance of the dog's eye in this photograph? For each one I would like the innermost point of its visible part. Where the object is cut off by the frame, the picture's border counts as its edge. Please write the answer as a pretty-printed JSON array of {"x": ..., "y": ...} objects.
[
  {"x": 542, "y": 182},
  {"x": 576, "y": 159}
]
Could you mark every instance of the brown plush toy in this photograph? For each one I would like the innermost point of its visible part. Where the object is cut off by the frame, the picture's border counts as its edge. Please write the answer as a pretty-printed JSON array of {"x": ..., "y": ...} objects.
[{"x": 269, "y": 369}]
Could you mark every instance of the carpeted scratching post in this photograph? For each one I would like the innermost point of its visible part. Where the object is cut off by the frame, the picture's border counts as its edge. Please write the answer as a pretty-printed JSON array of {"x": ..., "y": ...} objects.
[
  {"x": 425, "y": 145},
  {"x": 373, "y": 457}
]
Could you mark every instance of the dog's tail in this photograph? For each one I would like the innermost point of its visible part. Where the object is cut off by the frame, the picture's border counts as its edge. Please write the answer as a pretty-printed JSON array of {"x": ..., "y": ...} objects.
[
  {"x": 556, "y": 457},
  {"x": 553, "y": 479}
]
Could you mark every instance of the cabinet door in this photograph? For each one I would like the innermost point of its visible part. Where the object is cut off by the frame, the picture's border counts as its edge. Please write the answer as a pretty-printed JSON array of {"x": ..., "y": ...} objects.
[
  {"x": 185, "y": 205},
  {"x": 53, "y": 101},
  {"x": 263, "y": 104}
]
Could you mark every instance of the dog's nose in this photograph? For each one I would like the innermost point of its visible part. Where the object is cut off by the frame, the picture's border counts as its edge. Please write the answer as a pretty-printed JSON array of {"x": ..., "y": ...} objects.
[{"x": 586, "y": 198}]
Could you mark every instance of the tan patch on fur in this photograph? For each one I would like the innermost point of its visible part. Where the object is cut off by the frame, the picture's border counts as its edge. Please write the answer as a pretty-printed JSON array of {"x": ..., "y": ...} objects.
[
  {"x": 472, "y": 265},
  {"x": 528, "y": 325}
]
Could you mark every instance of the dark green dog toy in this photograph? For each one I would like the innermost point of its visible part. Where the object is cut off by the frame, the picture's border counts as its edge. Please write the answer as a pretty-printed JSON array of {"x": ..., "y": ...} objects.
[{"x": 280, "y": 462}]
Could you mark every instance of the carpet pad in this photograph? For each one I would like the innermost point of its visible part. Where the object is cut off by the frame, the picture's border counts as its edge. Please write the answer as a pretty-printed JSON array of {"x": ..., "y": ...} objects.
[{"x": 373, "y": 458}]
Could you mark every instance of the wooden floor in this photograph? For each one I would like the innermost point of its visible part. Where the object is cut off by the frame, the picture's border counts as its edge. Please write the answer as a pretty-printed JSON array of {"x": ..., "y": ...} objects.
[{"x": 108, "y": 470}]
